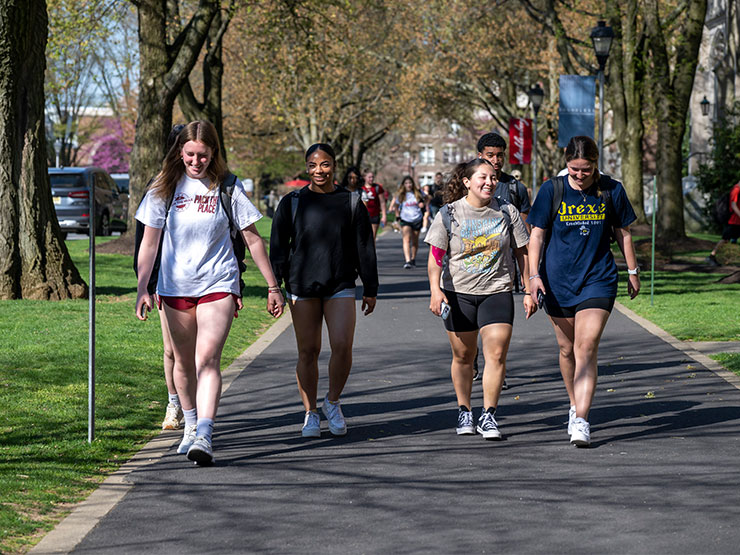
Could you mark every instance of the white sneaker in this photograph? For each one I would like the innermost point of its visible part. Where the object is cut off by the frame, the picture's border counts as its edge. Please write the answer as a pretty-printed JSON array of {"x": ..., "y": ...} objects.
[
  {"x": 581, "y": 436},
  {"x": 201, "y": 451},
  {"x": 571, "y": 418},
  {"x": 311, "y": 425},
  {"x": 173, "y": 417},
  {"x": 487, "y": 426},
  {"x": 333, "y": 413},
  {"x": 465, "y": 423},
  {"x": 423, "y": 230},
  {"x": 188, "y": 438}
]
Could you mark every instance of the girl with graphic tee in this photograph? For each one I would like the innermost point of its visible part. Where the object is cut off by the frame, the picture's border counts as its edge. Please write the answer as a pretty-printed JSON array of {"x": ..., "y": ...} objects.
[
  {"x": 577, "y": 273},
  {"x": 198, "y": 284},
  {"x": 321, "y": 241},
  {"x": 408, "y": 204},
  {"x": 471, "y": 269}
]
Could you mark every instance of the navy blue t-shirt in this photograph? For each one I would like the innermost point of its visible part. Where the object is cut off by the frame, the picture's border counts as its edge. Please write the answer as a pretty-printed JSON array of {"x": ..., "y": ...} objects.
[{"x": 578, "y": 263}]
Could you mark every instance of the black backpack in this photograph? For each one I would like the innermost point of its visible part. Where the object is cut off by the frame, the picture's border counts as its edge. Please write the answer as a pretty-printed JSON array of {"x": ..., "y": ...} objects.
[
  {"x": 558, "y": 190},
  {"x": 226, "y": 191},
  {"x": 721, "y": 209}
]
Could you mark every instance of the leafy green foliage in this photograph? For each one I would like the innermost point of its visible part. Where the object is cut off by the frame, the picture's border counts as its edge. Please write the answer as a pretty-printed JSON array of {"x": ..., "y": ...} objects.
[{"x": 723, "y": 169}]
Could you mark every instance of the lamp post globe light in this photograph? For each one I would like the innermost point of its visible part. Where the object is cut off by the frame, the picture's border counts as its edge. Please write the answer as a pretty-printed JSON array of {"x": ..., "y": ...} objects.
[
  {"x": 601, "y": 37},
  {"x": 536, "y": 96}
]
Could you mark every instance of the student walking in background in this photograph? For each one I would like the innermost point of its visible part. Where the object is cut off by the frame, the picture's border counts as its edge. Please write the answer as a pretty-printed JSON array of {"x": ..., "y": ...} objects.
[
  {"x": 373, "y": 195},
  {"x": 321, "y": 242},
  {"x": 408, "y": 204},
  {"x": 574, "y": 218},
  {"x": 471, "y": 270},
  {"x": 198, "y": 285}
]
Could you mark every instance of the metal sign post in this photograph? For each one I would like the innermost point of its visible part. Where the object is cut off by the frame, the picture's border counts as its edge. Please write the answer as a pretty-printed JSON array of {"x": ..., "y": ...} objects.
[
  {"x": 652, "y": 261},
  {"x": 91, "y": 323}
]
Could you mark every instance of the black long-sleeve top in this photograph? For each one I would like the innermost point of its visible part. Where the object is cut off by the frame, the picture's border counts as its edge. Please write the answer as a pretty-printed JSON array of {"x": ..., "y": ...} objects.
[{"x": 326, "y": 248}]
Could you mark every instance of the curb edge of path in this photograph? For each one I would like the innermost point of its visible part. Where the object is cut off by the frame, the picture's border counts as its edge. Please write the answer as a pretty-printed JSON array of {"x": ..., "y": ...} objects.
[
  {"x": 684, "y": 346},
  {"x": 69, "y": 532}
]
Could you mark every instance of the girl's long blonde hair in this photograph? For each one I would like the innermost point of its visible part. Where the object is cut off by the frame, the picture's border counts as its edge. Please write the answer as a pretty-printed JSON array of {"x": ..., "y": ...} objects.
[
  {"x": 401, "y": 193},
  {"x": 173, "y": 168}
]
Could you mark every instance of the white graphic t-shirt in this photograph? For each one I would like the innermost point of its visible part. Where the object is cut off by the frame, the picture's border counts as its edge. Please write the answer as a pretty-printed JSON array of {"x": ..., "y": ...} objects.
[
  {"x": 410, "y": 211},
  {"x": 197, "y": 252},
  {"x": 479, "y": 260}
]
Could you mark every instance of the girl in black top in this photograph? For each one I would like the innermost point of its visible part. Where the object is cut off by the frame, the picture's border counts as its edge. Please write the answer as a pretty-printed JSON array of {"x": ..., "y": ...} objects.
[{"x": 321, "y": 241}]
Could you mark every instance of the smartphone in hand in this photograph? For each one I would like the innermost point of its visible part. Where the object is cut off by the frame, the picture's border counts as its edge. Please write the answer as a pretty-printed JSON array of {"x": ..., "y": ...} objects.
[
  {"x": 445, "y": 310},
  {"x": 540, "y": 299}
]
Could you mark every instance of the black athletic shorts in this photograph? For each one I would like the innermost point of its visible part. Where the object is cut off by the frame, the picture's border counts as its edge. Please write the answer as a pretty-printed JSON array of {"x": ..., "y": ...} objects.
[
  {"x": 416, "y": 226},
  {"x": 472, "y": 312},
  {"x": 552, "y": 309},
  {"x": 374, "y": 219},
  {"x": 730, "y": 232}
]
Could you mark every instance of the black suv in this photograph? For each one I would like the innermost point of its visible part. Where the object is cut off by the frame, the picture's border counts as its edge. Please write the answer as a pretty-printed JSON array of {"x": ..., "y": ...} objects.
[{"x": 70, "y": 188}]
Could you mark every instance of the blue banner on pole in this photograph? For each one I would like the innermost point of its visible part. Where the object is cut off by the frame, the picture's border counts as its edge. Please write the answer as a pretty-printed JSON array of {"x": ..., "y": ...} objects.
[{"x": 577, "y": 107}]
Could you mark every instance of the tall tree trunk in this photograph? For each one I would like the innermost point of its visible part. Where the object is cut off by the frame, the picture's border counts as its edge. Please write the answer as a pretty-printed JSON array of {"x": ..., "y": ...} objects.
[
  {"x": 673, "y": 79},
  {"x": 163, "y": 71},
  {"x": 34, "y": 262},
  {"x": 213, "y": 70},
  {"x": 626, "y": 77}
]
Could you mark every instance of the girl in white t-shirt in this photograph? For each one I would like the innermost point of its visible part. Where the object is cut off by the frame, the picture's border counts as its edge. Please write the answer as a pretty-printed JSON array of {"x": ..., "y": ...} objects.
[
  {"x": 408, "y": 204},
  {"x": 198, "y": 282}
]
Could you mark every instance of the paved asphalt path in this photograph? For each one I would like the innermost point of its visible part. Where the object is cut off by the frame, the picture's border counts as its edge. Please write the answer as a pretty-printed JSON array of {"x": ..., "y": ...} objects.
[{"x": 661, "y": 476}]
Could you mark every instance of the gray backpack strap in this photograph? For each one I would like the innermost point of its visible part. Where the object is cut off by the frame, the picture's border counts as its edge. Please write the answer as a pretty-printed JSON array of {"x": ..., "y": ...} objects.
[{"x": 445, "y": 214}]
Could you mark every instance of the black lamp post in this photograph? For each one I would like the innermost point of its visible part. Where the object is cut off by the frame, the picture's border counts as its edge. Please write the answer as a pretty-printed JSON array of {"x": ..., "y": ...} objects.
[
  {"x": 536, "y": 96},
  {"x": 601, "y": 37},
  {"x": 704, "y": 106}
]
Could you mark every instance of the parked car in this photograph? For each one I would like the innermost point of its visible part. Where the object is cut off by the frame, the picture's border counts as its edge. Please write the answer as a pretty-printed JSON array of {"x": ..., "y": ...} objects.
[{"x": 70, "y": 189}]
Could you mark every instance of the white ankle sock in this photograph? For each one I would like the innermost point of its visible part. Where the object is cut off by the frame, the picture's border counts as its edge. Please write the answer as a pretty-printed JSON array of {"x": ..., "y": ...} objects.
[
  {"x": 205, "y": 428},
  {"x": 174, "y": 399},
  {"x": 191, "y": 417}
]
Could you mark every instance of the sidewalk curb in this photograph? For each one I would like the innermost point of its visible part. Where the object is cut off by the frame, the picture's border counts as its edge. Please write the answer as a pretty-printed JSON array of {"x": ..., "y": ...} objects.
[
  {"x": 683, "y": 346},
  {"x": 65, "y": 536}
]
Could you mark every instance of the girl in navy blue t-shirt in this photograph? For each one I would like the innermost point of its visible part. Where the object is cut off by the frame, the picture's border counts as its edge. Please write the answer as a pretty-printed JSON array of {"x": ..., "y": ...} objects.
[{"x": 578, "y": 275}]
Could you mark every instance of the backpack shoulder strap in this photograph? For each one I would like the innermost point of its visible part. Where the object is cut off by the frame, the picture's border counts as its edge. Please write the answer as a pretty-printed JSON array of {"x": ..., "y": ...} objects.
[
  {"x": 558, "y": 186},
  {"x": 514, "y": 193},
  {"x": 354, "y": 199},
  {"x": 226, "y": 192},
  {"x": 446, "y": 214},
  {"x": 294, "y": 195}
]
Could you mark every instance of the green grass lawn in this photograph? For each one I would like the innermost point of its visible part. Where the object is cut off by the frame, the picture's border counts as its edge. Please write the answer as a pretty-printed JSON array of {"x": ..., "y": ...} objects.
[
  {"x": 691, "y": 307},
  {"x": 46, "y": 463}
]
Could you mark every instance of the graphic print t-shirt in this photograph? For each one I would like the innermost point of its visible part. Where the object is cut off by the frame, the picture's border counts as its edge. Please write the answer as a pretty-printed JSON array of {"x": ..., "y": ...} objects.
[
  {"x": 372, "y": 196},
  {"x": 578, "y": 262},
  {"x": 197, "y": 251},
  {"x": 410, "y": 211},
  {"x": 479, "y": 260}
]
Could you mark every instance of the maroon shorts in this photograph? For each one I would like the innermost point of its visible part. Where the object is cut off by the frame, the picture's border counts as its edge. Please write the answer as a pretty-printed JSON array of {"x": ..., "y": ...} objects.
[{"x": 186, "y": 303}]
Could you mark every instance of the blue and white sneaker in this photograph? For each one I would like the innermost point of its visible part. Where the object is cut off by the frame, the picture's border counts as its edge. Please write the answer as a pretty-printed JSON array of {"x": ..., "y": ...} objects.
[
  {"x": 487, "y": 426},
  {"x": 188, "y": 438},
  {"x": 465, "y": 423},
  {"x": 333, "y": 413},
  {"x": 201, "y": 451},
  {"x": 311, "y": 424}
]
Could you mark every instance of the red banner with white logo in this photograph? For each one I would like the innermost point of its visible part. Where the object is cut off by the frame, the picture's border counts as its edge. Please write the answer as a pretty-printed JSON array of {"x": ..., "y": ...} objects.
[{"x": 520, "y": 141}]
